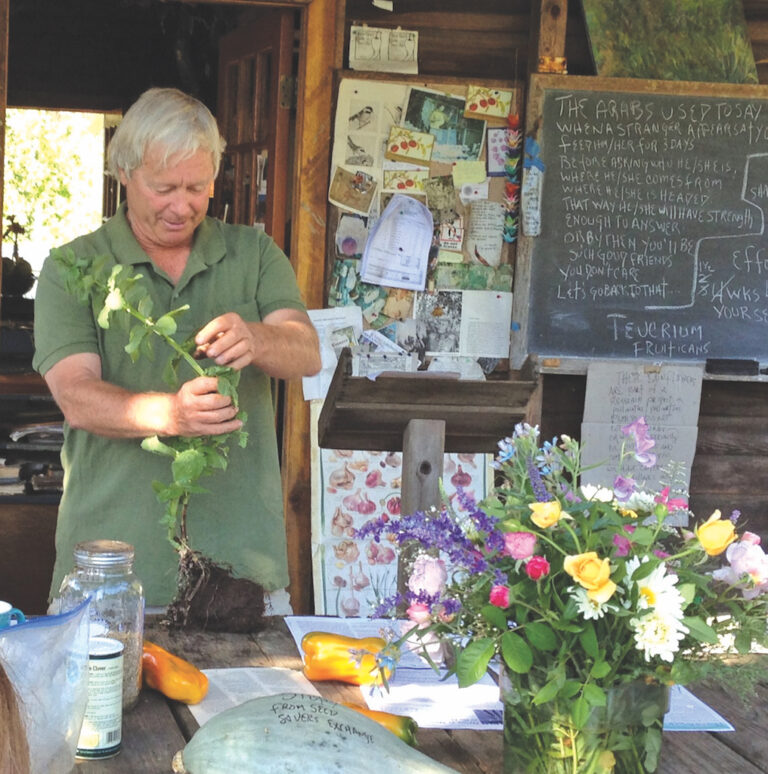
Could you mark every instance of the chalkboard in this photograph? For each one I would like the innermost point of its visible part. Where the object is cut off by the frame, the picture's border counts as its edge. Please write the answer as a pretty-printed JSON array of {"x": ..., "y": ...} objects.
[{"x": 652, "y": 242}]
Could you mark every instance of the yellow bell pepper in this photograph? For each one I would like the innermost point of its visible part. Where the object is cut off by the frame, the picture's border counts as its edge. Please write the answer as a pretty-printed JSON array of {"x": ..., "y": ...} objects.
[
  {"x": 172, "y": 676},
  {"x": 352, "y": 660},
  {"x": 402, "y": 726}
]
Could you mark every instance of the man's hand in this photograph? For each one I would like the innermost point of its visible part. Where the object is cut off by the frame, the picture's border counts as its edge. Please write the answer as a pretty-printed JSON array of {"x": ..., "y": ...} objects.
[
  {"x": 284, "y": 345},
  {"x": 199, "y": 409},
  {"x": 227, "y": 340}
]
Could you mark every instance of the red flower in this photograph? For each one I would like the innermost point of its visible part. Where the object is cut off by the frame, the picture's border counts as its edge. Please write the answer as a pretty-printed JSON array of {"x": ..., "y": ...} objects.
[
  {"x": 537, "y": 567},
  {"x": 499, "y": 596}
]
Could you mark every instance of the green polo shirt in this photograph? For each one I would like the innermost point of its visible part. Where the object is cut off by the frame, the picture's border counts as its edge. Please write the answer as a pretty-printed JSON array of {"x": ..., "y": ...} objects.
[{"x": 107, "y": 482}]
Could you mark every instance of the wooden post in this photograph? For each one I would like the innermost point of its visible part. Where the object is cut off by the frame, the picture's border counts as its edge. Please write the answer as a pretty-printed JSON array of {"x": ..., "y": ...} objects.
[
  {"x": 547, "y": 36},
  {"x": 423, "y": 451},
  {"x": 313, "y": 149}
]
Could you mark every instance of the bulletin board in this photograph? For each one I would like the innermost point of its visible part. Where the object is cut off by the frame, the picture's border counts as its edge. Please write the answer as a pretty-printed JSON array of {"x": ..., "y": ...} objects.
[{"x": 470, "y": 249}]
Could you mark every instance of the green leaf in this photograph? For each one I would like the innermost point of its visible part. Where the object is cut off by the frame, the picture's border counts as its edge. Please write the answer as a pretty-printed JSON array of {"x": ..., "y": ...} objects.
[
  {"x": 154, "y": 444},
  {"x": 495, "y": 616},
  {"x": 103, "y": 318},
  {"x": 644, "y": 570},
  {"x": 516, "y": 652},
  {"x": 145, "y": 305},
  {"x": 472, "y": 661},
  {"x": 547, "y": 693},
  {"x": 580, "y": 712},
  {"x": 166, "y": 325},
  {"x": 133, "y": 347},
  {"x": 600, "y": 669},
  {"x": 588, "y": 640},
  {"x": 540, "y": 636},
  {"x": 570, "y": 689},
  {"x": 700, "y": 630},
  {"x": 743, "y": 641},
  {"x": 688, "y": 592},
  {"x": 595, "y": 695},
  {"x": 170, "y": 373},
  {"x": 188, "y": 466}
]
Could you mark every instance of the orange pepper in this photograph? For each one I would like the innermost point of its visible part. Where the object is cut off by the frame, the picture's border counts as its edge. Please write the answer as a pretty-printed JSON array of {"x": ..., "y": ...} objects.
[
  {"x": 172, "y": 676},
  {"x": 352, "y": 660},
  {"x": 402, "y": 726}
]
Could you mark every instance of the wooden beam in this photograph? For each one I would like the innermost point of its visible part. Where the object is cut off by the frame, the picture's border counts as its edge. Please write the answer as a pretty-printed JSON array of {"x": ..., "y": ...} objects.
[
  {"x": 547, "y": 36},
  {"x": 312, "y": 159}
]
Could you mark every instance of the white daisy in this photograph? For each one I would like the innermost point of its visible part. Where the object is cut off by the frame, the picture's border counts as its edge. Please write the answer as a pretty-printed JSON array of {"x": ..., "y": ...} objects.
[
  {"x": 597, "y": 493},
  {"x": 657, "y": 591},
  {"x": 640, "y": 502},
  {"x": 590, "y": 609},
  {"x": 658, "y": 634}
]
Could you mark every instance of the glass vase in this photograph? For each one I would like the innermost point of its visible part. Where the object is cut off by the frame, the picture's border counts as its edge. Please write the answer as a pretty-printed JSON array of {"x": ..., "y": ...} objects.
[{"x": 623, "y": 737}]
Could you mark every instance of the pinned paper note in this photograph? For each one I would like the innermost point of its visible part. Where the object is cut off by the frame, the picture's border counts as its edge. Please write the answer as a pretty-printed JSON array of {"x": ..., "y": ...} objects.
[
  {"x": 487, "y": 102},
  {"x": 409, "y": 145},
  {"x": 351, "y": 234},
  {"x": 467, "y": 172},
  {"x": 383, "y": 50},
  {"x": 405, "y": 180},
  {"x": 353, "y": 191},
  {"x": 485, "y": 232},
  {"x": 451, "y": 234},
  {"x": 473, "y": 192}
]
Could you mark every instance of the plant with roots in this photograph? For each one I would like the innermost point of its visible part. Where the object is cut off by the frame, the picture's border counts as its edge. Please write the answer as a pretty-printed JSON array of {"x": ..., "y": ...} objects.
[{"x": 115, "y": 291}]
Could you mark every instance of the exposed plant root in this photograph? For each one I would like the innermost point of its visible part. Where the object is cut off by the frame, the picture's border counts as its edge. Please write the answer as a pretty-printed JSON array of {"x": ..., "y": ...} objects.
[{"x": 209, "y": 598}]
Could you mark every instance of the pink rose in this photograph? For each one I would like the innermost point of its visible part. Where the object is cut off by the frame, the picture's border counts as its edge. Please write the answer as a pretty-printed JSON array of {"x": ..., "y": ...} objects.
[
  {"x": 418, "y": 612},
  {"x": 537, "y": 567},
  {"x": 499, "y": 596},
  {"x": 519, "y": 545},
  {"x": 428, "y": 575},
  {"x": 750, "y": 537}
]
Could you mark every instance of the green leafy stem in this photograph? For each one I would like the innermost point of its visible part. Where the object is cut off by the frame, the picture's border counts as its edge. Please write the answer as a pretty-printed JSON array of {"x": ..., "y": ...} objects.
[{"x": 115, "y": 290}]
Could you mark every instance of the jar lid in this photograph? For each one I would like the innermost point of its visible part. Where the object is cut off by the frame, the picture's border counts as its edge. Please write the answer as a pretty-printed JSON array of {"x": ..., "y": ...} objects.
[{"x": 103, "y": 553}]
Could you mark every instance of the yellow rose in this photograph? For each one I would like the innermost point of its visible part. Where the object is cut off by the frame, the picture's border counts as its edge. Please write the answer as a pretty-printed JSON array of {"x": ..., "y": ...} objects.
[
  {"x": 547, "y": 514},
  {"x": 591, "y": 573},
  {"x": 715, "y": 535}
]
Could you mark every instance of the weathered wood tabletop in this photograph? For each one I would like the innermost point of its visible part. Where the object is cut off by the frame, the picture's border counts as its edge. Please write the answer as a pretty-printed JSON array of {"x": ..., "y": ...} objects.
[{"x": 156, "y": 728}]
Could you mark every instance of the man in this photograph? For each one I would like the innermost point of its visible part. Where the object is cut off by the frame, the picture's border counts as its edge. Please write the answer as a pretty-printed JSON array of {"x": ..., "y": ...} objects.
[{"x": 245, "y": 312}]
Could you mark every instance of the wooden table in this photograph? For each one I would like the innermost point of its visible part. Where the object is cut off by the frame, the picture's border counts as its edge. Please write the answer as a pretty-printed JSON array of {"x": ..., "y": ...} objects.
[{"x": 156, "y": 728}]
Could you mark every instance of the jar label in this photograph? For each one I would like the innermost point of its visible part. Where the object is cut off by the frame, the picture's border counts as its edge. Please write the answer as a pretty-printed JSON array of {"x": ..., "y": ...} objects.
[{"x": 101, "y": 733}]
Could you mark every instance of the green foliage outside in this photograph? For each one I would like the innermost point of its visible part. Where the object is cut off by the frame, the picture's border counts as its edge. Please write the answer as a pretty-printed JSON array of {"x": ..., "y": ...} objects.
[
  {"x": 53, "y": 177},
  {"x": 683, "y": 40}
]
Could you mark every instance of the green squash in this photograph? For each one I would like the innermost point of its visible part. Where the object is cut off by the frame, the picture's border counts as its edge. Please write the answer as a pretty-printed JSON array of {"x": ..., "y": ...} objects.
[{"x": 293, "y": 733}]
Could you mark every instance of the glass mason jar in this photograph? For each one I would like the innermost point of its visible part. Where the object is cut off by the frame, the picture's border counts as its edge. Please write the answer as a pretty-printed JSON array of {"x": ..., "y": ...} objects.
[
  {"x": 104, "y": 571},
  {"x": 623, "y": 737}
]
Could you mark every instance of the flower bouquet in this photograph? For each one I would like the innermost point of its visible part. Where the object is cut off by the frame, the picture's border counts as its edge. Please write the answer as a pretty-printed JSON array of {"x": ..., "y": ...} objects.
[{"x": 588, "y": 601}]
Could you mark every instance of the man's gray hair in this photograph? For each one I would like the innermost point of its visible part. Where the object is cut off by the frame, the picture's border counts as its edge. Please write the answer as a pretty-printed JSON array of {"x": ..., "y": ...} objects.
[{"x": 168, "y": 119}]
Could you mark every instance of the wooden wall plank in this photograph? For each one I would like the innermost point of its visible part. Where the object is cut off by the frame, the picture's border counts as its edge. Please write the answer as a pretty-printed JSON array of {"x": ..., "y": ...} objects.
[{"x": 311, "y": 172}]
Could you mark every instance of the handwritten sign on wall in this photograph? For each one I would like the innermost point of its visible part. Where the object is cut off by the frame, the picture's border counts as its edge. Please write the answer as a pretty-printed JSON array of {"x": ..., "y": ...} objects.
[
  {"x": 618, "y": 393},
  {"x": 653, "y": 240}
]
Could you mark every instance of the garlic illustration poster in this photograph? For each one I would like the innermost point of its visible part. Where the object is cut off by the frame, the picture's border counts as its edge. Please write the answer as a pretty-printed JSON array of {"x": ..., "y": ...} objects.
[{"x": 351, "y": 487}]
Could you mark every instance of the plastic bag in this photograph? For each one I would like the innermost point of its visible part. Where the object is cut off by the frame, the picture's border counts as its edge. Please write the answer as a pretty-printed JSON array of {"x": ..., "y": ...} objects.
[{"x": 46, "y": 659}]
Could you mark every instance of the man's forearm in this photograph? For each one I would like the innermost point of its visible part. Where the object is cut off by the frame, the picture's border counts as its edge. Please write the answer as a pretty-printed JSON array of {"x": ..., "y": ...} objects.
[
  {"x": 111, "y": 411},
  {"x": 288, "y": 350}
]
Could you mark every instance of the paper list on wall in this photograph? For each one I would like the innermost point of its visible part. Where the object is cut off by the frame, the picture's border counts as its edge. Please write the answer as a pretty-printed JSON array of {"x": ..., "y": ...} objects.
[{"x": 397, "y": 250}]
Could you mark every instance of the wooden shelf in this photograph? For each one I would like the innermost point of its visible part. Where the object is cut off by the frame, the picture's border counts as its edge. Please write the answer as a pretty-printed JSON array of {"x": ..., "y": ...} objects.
[{"x": 372, "y": 415}]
